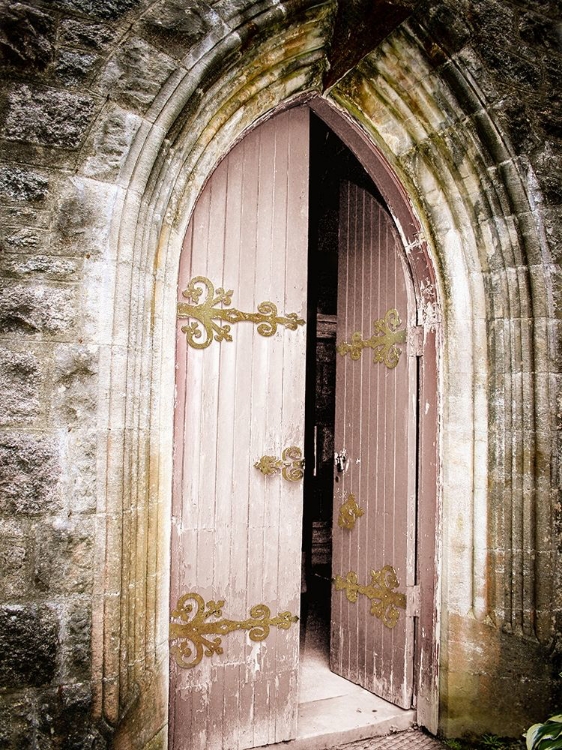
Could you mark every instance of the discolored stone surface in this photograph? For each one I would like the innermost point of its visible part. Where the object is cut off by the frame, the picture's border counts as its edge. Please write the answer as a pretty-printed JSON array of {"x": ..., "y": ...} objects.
[
  {"x": 75, "y": 390},
  {"x": 73, "y": 68},
  {"x": 176, "y": 26},
  {"x": 135, "y": 75},
  {"x": 63, "y": 557},
  {"x": 48, "y": 117},
  {"x": 106, "y": 10},
  {"x": 28, "y": 646},
  {"x": 25, "y": 309},
  {"x": 20, "y": 383},
  {"x": 76, "y": 32},
  {"x": 29, "y": 474},
  {"x": 26, "y": 35},
  {"x": 20, "y": 184}
]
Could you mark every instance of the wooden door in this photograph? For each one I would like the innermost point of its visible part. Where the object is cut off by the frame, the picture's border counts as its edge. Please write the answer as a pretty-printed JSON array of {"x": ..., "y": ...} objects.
[
  {"x": 236, "y": 532},
  {"x": 374, "y": 531}
]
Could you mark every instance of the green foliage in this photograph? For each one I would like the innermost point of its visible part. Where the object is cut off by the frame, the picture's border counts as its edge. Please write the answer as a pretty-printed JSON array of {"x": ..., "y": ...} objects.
[
  {"x": 547, "y": 736},
  {"x": 454, "y": 744},
  {"x": 493, "y": 742}
]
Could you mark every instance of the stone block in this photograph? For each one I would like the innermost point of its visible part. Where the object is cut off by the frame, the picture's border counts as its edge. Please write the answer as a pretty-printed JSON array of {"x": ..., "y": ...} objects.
[
  {"x": 175, "y": 26},
  {"x": 83, "y": 220},
  {"x": 28, "y": 645},
  {"x": 40, "y": 267},
  {"x": 110, "y": 143},
  {"x": 22, "y": 239},
  {"x": 75, "y": 392},
  {"x": 30, "y": 309},
  {"x": 539, "y": 31},
  {"x": 64, "y": 556},
  {"x": 447, "y": 27},
  {"x": 78, "y": 485},
  {"x": 64, "y": 719},
  {"x": 73, "y": 67},
  {"x": 548, "y": 167},
  {"x": 20, "y": 385},
  {"x": 135, "y": 76},
  {"x": 29, "y": 475},
  {"x": 77, "y": 653},
  {"x": 17, "y": 713},
  {"x": 76, "y": 32},
  {"x": 15, "y": 558},
  {"x": 22, "y": 184},
  {"x": 47, "y": 116},
  {"x": 107, "y": 10},
  {"x": 27, "y": 36}
]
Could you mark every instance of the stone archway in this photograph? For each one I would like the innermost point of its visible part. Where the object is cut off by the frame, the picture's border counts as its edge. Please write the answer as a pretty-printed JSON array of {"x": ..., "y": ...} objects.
[{"x": 475, "y": 206}]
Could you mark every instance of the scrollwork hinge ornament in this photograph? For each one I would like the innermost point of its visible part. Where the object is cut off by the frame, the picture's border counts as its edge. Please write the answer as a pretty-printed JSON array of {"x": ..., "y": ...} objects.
[
  {"x": 190, "y": 634},
  {"x": 291, "y": 464},
  {"x": 384, "y": 341},
  {"x": 384, "y": 600},
  {"x": 349, "y": 513},
  {"x": 215, "y": 322}
]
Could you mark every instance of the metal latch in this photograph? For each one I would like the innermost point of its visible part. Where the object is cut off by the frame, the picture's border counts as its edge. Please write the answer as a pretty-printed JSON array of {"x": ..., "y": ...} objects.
[{"x": 341, "y": 460}]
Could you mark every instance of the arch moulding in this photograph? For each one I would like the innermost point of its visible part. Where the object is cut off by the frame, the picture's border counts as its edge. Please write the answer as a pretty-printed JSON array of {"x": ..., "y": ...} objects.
[{"x": 475, "y": 215}]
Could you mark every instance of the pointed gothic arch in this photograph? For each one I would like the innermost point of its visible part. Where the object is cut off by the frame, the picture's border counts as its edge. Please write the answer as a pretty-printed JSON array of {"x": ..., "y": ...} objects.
[{"x": 475, "y": 205}]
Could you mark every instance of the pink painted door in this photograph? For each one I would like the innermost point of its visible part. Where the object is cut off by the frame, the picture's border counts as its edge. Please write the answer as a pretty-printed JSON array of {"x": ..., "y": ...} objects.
[
  {"x": 374, "y": 531},
  {"x": 236, "y": 531}
]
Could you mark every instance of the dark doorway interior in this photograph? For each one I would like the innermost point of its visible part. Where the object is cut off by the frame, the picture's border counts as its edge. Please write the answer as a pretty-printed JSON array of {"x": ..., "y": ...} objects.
[{"x": 331, "y": 162}]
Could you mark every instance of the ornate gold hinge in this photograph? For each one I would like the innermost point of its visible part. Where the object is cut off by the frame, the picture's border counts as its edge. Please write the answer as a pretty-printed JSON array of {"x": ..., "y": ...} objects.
[
  {"x": 383, "y": 341},
  {"x": 207, "y": 313},
  {"x": 380, "y": 591},
  {"x": 291, "y": 464},
  {"x": 349, "y": 513},
  {"x": 187, "y": 628}
]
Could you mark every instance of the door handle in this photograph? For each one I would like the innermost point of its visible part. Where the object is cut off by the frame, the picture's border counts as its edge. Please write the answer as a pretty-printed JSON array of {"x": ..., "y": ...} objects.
[{"x": 341, "y": 460}]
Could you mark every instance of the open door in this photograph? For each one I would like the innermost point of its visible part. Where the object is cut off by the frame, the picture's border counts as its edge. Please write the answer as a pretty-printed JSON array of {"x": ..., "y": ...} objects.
[
  {"x": 374, "y": 526},
  {"x": 238, "y": 441}
]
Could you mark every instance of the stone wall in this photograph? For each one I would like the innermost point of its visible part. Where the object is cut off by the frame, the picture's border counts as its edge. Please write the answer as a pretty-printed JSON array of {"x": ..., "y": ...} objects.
[{"x": 112, "y": 114}]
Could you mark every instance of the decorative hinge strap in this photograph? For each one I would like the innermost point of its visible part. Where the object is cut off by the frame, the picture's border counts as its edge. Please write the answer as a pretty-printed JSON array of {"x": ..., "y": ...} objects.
[
  {"x": 384, "y": 341},
  {"x": 349, "y": 513},
  {"x": 215, "y": 322},
  {"x": 190, "y": 634},
  {"x": 384, "y": 599},
  {"x": 291, "y": 464}
]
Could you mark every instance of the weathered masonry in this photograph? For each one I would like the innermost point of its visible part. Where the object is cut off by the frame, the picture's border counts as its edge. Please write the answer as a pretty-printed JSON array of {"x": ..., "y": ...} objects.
[{"x": 201, "y": 201}]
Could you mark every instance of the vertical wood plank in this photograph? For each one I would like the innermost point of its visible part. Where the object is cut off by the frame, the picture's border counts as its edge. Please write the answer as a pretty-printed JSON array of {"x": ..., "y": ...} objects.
[
  {"x": 234, "y": 531},
  {"x": 376, "y": 423}
]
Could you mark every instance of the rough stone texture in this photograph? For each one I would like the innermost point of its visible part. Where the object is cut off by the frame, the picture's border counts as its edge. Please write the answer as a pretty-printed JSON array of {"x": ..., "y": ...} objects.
[
  {"x": 135, "y": 75},
  {"x": 84, "y": 82},
  {"x": 76, "y": 32},
  {"x": 26, "y": 35},
  {"x": 31, "y": 309},
  {"x": 19, "y": 184},
  {"x": 29, "y": 475},
  {"x": 20, "y": 384},
  {"x": 176, "y": 26},
  {"x": 48, "y": 117},
  {"x": 110, "y": 144},
  {"x": 63, "y": 557},
  {"x": 73, "y": 68},
  {"x": 28, "y": 646},
  {"x": 75, "y": 391}
]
